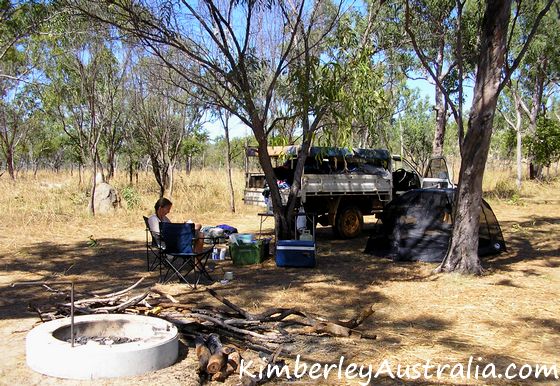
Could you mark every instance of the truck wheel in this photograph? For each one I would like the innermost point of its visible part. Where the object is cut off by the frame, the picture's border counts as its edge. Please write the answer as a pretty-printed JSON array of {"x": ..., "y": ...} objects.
[{"x": 349, "y": 222}]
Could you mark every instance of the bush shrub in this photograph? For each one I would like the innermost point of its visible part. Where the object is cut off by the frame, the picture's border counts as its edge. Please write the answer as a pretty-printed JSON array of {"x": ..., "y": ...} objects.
[
  {"x": 131, "y": 197},
  {"x": 506, "y": 189}
]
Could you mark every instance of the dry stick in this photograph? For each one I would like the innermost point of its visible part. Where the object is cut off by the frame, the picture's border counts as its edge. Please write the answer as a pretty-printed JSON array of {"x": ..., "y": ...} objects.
[
  {"x": 268, "y": 315},
  {"x": 52, "y": 289},
  {"x": 247, "y": 315},
  {"x": 320, "y": 325},
  {"x": 122, "y": 292},
  {"x": 232, "y": 328},
  {"x": 249, "y": 342},
  {"x": 108, "y": 297},
  {"x": 241, "y": 322},
  {"x": 218, "y": 359},
  {"x": 177, "y": 318},
  {"x": 165, "y": 295},
  {"x": 175, "y": 305},
  {"x": 38, "y": 311},
  {"x": 365, "y": 313},
  {"x": 120, "y": 307}
]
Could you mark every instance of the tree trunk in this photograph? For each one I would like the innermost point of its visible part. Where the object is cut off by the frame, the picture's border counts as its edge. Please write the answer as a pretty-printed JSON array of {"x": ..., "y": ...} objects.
[
  {"x": 517, "y": 128},
  {"x": 130, "y": 171},
  {"x": 535, "y": 171},
  {"x": 225, "y": 122},
  {"x": 440, "y": 107},
  {"x": 167, "y": 180},
  {"x": 93, "y": 186},
  {"x": 10, "y": 163},
  {"x": 518, "y": 155},
  {"x": 110, "y": 167},
  {"x": 462, "y": 255}
]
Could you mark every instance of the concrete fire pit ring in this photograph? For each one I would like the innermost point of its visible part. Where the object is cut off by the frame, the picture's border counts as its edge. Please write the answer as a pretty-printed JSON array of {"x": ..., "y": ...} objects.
[{"x": 153, "y": 345}]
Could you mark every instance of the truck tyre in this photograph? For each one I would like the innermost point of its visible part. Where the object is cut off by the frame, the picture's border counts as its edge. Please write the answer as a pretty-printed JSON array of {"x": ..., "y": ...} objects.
[{"x": 349, "y": 222}]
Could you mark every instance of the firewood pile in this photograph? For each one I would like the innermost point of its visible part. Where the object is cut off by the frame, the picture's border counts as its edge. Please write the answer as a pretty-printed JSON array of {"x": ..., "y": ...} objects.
[{"x": 266, "y": 332}]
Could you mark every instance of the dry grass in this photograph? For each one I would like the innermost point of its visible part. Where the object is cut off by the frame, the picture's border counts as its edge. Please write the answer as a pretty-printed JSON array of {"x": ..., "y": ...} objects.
[{"x": 510, "y": 314}]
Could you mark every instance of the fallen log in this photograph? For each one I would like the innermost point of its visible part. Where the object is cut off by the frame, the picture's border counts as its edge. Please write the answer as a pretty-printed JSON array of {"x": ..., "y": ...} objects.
[
  {"x": 218, "y": 359},
  {"x": 233, "y": 363},
  {"x": 202, "y": 353}
]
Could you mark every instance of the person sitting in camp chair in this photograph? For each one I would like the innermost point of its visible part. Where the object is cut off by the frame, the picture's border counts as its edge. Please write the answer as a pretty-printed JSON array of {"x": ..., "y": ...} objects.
[{"x": 162, "y": 208}]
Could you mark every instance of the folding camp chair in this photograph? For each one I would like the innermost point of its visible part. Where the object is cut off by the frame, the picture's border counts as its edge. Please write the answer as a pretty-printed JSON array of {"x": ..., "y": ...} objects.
[
  {"x": 178, "y": 258},
  {"x": 153, "y": 255}
]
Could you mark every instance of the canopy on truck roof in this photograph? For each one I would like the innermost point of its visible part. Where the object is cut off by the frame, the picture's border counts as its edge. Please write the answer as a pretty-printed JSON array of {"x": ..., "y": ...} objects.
[{"x": 322, "y": 151}]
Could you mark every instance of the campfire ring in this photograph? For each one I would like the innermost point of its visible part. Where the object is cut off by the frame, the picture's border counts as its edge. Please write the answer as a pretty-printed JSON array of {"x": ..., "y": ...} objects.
[{"x": 151, "y": 344}]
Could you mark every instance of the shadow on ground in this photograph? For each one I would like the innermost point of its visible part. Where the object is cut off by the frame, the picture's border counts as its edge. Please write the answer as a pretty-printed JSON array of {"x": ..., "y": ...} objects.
[
  {"x": 109, "y": 265},
  {"x": 528, "y": 241}
]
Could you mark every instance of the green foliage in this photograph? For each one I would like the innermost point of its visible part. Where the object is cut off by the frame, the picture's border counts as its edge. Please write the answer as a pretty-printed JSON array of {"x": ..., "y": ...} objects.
[
  {"x": 215, "y": 154},
  {"x": 545, "y": 145},
  {"x": 504, "y": 140},
  {"x": 417, "y": 125},
  {"x": 131, "y": 197},
  {"x": 79, "y": 199},
  {"x": 195, "y": 143},
  {"x": 92, "y": 242}
]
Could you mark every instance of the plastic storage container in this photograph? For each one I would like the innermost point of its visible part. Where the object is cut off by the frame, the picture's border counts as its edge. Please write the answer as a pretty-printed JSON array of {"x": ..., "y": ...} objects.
[{"x": 246, "y": 253}]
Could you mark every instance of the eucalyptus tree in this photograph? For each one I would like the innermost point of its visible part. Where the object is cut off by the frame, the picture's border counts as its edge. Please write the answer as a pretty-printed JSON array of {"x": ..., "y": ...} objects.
[
  {"x": 83, "y": 79},
  {"x": 443, "y": 36},
  {"x": 493, "y": 72},
  {"x": 545, "y": 143},
  {"x": 537, "y": 78},
  {"x": 163, "y": 116},
  {"x": 244, "y": 48},
  {"x": 415, "y": 130},
  {"x": 511, "y": 110},
  {"x": 19, "y": 21},
  {"x": 194, "y": 146},
  {"x": 13, "y": 109},
  {"x": 362, "y": 52},
  {"x": 224, "y": 118}
]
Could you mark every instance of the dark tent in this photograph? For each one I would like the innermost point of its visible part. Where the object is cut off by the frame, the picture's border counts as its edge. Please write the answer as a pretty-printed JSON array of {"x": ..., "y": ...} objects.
[{"x": 417, "y": 227}]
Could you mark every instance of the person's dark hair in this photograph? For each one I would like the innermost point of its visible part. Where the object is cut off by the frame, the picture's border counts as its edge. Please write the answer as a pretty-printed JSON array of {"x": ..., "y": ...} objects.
[{"x": 162, "y": 202}]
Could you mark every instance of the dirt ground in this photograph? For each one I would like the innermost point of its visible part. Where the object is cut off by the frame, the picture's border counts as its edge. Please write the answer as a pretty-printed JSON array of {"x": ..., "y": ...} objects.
[{"x": 509, "y": 315}]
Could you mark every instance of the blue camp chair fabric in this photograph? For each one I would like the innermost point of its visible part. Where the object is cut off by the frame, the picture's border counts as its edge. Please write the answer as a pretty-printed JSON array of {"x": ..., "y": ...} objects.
[
  {"x": 177, "y": 256},
  {"x": 153, "y": 260}
]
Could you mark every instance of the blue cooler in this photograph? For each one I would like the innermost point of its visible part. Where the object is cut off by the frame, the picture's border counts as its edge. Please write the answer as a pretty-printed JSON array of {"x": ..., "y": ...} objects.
[{"x": 295, "y": 253}]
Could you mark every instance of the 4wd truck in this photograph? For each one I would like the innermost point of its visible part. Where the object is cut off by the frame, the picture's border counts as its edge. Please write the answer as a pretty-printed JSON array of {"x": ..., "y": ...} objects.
[{"x": 341, "y": 185}]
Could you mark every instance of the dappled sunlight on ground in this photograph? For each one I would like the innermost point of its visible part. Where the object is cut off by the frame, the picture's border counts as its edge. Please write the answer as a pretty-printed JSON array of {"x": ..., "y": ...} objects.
[{"x": 510, "y": 314}]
